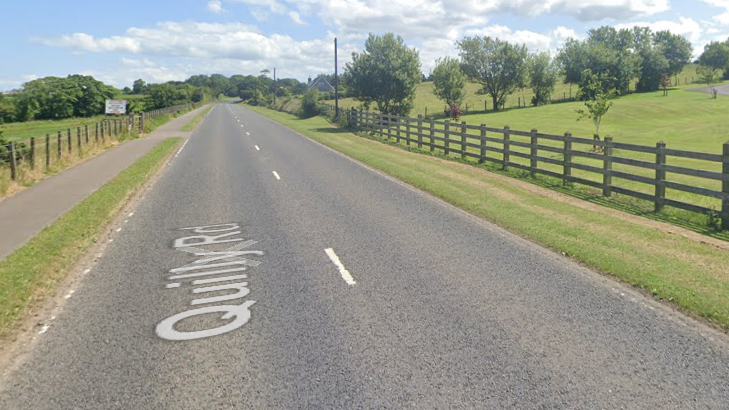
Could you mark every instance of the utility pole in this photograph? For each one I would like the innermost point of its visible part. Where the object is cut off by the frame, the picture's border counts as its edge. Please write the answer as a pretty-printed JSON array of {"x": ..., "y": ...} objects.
[
  {"x": 274, "y": 85},
  {"x": 336, "y": 83}
]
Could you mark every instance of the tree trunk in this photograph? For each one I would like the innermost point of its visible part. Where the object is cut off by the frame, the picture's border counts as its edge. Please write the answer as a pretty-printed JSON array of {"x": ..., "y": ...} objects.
[
  {"x": 496, "y": 102},
  {"x": 595, "y": 137}
]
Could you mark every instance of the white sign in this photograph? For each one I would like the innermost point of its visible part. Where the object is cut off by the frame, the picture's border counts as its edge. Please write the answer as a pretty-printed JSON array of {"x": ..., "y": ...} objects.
[{"x": 116, "y": 106}]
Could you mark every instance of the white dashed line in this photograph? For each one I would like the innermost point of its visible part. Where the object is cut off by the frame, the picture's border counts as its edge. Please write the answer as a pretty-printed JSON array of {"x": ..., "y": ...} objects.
[
  {"x": 257, "y": 149},
  {"x": 131, "y": 214},
  {"x": 342, "y": 270},
  {"x": 118, "y": 230},
  {"x": 44, "y": 329},
  {"x": 248, "y": 133},
  {"x": 172, "y": 285},
  {"x": 276, "y": 175}
]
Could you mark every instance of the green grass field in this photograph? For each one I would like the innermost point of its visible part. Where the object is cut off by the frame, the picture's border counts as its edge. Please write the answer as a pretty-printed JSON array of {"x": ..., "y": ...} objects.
[
  {"x": 688, "y": 273},
  {"x": 23, "y": 130}
]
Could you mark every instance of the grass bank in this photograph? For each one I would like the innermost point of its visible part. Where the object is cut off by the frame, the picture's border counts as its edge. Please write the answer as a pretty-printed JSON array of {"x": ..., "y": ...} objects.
[
  {"x": 688, "y": 273},
  {"x": 31, "y": 273}
]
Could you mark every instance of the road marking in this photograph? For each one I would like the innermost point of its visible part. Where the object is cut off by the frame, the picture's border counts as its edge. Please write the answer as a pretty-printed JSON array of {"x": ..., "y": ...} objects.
[
  {"x": 118, "y": 230},
  {"x": 45, "y": 329},
  {"x": 241, "y": 125},
  {"x": 172, "y": 285},
  {"x": 276, "y": 175},
  {"x": 248, "y": 133},
  {"x": 257, "y": 149},
  {"x": 131, "y": 214},
  {"x": 342, "y": 270}
]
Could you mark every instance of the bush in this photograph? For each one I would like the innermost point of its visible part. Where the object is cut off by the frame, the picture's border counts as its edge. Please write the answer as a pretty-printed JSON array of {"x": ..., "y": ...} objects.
[{"x": 309, "y": 105}]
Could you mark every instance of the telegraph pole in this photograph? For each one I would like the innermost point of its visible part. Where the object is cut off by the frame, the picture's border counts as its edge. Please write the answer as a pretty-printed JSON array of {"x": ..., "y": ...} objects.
[
  {"x": 274, "y": 85},
  {"x": 336, "y": 84}
]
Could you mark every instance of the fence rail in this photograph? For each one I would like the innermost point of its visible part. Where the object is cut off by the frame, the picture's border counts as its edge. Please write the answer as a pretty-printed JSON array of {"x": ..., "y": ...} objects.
[
  {"x": 51, "y": 148},
  {"x": 643, "y": 170}
]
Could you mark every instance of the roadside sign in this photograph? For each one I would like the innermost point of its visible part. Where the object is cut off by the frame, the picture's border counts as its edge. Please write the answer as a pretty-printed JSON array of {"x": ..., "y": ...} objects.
[{"x": 116, "y": 106}]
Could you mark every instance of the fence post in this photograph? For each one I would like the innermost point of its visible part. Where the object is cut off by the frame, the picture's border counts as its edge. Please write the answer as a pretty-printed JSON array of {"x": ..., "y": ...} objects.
[
  {"x": 48, "y": 151},
  {"x": 463, "y": 139},
  {"x": 660, "y": 175},
  {"x": 397, "y": 119},
  {"x": 407, "y": 130},
  {"x": 432, "y": 134},
  {"x": 101, "y": 126},
  {"x": 725, "y": 186},
  {"x": 32, "y": 153},
  {"x": 59, "y": 144},
  {"x": 506, "y": 148},
  {"x": 420, "y": 130},
  {"x": 86, "y": 133},
  {"x": 68, "y": 137},
  {"x": 446, "y": 151},
  {"x": 607, "y": 167},
  {"x": 96, "y": 133},
  {"x": 533, "y": 164},
  {"x": 78, "y": 140},
  {"x": 567, "y": 155},
  {"x": 13, "y": 162},
  {"x": 482, "y": 154}
]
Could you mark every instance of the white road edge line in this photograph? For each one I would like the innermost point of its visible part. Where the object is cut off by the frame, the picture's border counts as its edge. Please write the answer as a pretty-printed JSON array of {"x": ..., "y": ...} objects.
[
  {"x": 257, "y": 149},
  {"x": 276, "y": 175},
  {"x": 342, "y": 270}
]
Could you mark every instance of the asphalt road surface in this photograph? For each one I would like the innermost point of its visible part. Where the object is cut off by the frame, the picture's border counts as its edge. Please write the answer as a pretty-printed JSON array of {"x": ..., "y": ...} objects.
[
  {"x": 720, "y": 89},
  {"x": 264, "y": 271}
]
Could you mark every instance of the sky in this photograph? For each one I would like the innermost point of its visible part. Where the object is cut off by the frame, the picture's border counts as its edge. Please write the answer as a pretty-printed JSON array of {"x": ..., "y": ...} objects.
[{"x": 159, "y": 41}]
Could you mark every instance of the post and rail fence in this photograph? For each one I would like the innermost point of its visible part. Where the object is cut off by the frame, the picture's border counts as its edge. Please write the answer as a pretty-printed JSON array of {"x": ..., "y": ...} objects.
[
  {"x": 48, "y": 150},
  {"x": 599, "y": 163}
]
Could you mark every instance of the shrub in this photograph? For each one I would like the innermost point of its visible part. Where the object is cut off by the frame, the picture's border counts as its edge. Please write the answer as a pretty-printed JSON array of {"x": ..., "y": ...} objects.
[{"x": 309, "y": 105}]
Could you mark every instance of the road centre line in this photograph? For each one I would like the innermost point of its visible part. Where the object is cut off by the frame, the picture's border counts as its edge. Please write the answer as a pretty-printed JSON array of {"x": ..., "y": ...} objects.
[
  {"x": 257, "y": 149},
  {"x": 276, "y": 175},
  {"x": 342, "y": 270}
]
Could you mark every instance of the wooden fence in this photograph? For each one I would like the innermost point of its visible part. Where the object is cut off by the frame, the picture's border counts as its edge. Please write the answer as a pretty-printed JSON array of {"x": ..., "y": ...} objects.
[
  {"x": 598, "y": 164},
  {"x": 49, "y": 150}
]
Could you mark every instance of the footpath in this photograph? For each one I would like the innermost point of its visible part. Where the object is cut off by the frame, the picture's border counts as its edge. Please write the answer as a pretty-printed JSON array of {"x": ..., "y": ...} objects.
[{"x": 24, "y": 215}]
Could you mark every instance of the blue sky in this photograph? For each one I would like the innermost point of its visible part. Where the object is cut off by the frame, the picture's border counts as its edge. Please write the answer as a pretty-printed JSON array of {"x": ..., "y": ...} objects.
[{"x": 118, "y": 42}]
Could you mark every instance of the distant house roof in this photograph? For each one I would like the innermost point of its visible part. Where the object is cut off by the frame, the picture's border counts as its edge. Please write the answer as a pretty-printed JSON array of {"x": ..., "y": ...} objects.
[{"x": 322, "y": 85}]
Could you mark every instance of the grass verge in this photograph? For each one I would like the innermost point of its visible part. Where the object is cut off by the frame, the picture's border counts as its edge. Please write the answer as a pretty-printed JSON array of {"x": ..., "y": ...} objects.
[
  {"x": 193, "y": 123},
  {"x": 690, "y": 274},
  {"x": 32, "y": 272}
]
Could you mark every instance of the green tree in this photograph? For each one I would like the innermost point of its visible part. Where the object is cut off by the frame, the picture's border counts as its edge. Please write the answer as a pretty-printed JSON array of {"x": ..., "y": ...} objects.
[
  {"x": 675, "y": 48},
  {"x": 542, "y": 77},
  {"x": 716, "y": 56},
  {"x": 498, "y": 66},
  {"x": 139, "y": 86},
  {"x": 449, "y": 82},
  {"x": 597, "y": 100},
  {"x": 386, "y": 73}
]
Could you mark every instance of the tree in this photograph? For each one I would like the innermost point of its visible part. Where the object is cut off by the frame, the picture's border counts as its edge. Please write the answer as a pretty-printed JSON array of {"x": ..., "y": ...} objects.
[
  {"x": 386, "y": 73},
  {"x": 709, "y": 76},
  {"x": 498, "y": 66},
  {"x": 607, "y": 52},
  {"x": 715, "y": 55},
  {"x": 542, "y": 77},
  {"x": 310, "y": 103},
  {"x": 139, "y": 87},
  {"x": 597, "y": 101},
  {"x": 665, "y": 83},
  {"x": 675, "y": 48},
  {"x": 449, "y": 82}
]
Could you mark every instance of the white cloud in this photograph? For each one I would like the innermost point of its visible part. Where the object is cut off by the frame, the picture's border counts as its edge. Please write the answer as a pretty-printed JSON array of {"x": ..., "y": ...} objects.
[
  {"x": 722, "y": 18},
  {"x": 215, "y": 7},
  {"x": 273, "y": 5},
  {"x": 296, "y": 18}
]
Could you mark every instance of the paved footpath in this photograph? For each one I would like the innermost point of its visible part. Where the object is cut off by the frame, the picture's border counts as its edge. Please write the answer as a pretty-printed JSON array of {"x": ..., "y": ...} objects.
[{"x": 24, "y": 215}]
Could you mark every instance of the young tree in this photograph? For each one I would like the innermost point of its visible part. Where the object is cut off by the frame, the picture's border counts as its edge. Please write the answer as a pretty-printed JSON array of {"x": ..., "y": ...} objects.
[
  {"x": 498, "y": 66},
  {"x": 665, "y": 83},
  {"x": 449, "y": 82},
  {"x": 386, "y": 73},
  {"x": 709, "y": 76},
  {"x": 597, "y": 100},
  {"x": 542, "y": 77}
]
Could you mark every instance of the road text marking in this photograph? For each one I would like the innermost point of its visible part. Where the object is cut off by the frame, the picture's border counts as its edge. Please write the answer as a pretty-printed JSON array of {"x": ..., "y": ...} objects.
[{"x": 342, "y": 270}]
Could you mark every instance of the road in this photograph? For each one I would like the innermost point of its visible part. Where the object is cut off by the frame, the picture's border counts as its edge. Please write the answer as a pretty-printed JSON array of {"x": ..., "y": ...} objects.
[
  {"x": 445, "y": 311},
  {"x": 722, "y": 89}
]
